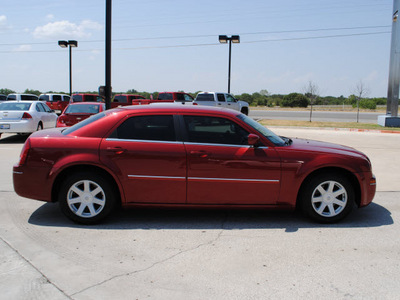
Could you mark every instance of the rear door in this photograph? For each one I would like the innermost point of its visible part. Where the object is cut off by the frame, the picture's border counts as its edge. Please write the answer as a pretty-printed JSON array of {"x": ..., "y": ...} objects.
[{"x": 149, "y": 161}]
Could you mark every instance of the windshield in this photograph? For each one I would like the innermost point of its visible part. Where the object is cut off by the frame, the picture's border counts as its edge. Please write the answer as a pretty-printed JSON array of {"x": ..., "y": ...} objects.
[
  {"x": 83, "y": 123},
  {"x": 14, "y": 106},
  {"x": 278, "y": 141}
]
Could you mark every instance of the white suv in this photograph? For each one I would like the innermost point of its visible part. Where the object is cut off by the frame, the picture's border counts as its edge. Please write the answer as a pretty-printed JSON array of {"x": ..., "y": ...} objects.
[
  {"x": 221, "y": 100},
  {"x": 22, "y": 97}
]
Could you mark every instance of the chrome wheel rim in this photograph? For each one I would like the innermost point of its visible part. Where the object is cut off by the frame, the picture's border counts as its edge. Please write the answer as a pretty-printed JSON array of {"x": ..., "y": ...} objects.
[
  {"x": 86, "y": 198},
  {"x": 329, "y": 199}
]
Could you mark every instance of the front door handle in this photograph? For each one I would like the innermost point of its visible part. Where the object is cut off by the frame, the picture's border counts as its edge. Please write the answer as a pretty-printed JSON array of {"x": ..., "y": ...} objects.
[
  {"x": 116, "y": 150},
  {"x": 199, "y": 153}
]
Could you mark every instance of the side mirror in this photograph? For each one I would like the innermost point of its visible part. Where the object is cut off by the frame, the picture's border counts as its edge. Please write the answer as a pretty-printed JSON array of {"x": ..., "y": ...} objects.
[{"x": 253, "y": 139}]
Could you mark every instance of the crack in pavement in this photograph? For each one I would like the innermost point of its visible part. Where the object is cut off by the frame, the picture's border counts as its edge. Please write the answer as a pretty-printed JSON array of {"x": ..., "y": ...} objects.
[
  {"x": 34, "y": 267},
  {"x": 158, "y": 262}
]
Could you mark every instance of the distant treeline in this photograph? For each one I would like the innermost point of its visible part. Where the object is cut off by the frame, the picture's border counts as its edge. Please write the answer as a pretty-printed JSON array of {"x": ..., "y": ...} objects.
[{"x": 262, "y": 98}]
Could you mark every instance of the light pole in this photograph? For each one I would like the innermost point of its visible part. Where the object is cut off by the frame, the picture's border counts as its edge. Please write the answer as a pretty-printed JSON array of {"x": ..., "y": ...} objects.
[
  {"x": 223, "y": 39},
  {"x": 65, "y": 44}
]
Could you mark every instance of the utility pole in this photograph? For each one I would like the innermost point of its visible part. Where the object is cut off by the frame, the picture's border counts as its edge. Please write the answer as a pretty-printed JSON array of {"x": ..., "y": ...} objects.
[
  {"x": 391, "y": 118},
  {"x": 108, "y": 93}
]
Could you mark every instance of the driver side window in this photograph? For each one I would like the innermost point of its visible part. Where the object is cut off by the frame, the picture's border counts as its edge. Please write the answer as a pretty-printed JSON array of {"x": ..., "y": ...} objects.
[{"x": 214, "y": 130}]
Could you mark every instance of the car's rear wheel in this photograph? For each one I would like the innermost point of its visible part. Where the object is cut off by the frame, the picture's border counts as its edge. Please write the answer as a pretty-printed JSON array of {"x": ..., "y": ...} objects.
[
  {"x": 86, "y": 197},
  {"x": 328, "y": 198},
  {"x": 39, "y": 127}
]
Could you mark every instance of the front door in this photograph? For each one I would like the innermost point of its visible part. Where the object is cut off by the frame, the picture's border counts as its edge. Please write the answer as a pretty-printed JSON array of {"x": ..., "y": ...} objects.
[{"x": 223, "y": 169}]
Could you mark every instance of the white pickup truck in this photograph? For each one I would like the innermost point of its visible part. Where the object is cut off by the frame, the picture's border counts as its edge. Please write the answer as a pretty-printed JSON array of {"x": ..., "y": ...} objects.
[{"x": 221, "y": 100}]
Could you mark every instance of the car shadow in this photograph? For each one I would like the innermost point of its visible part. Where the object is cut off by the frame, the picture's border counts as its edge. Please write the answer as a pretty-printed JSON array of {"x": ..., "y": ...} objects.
[
  {"x": 14, "y": 139},
  {"x": 49, "y": 214}
]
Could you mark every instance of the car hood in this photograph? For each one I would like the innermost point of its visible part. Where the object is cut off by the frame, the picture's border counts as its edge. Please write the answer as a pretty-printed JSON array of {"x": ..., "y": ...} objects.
[{"x": 317, "y": 146}]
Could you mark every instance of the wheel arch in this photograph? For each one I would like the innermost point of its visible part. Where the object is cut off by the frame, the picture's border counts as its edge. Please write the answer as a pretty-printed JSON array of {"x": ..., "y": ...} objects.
[
  {"x": 83, "y": 168},
  {"x": 336, "y": 170}
]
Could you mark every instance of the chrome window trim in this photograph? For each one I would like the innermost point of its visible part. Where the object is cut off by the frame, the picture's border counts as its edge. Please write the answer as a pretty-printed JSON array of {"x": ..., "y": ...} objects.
[
  {"x": 142, "y": 141},
  {"x": 224, "y": 145}
]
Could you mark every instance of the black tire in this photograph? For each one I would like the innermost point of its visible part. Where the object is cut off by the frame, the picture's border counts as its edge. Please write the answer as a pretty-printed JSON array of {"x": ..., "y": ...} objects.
[
  {"x": 245, "y": 111},
  {"x": 327, "y": 198},
  {"x": 86, "y": 197},
  {"x": 39, "y": 126}
]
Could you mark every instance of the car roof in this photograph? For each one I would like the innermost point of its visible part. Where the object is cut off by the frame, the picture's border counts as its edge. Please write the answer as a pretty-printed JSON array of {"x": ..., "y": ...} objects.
[
  {"x": 177, "y": 108},
  {"x": 24, "y": 101},
  {"x": 85, "y": 103}
]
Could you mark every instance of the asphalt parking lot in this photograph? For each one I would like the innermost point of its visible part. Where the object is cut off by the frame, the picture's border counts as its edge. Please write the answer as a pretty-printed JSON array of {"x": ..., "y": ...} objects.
[{"x": 172, "y": 254}]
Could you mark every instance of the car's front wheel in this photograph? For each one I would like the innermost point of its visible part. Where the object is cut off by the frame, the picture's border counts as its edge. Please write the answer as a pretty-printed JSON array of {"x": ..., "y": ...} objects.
[
  {"x": 86, "y": 197},
  {"x": 328, "y": 197}
]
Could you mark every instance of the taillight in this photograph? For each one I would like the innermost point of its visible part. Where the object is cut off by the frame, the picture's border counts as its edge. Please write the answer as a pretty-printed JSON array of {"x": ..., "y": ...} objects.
[
  {"x": 26, "y": 116},
  {"x": 24, "y": 152}
]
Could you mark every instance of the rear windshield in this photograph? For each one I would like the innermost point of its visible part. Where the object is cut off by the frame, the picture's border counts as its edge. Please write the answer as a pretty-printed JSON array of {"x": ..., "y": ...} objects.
[
  {"x": 83, "y": 123},
  {"x": 165, "y": 96},
  {"x": 205, "y": 97},
  {"x": 14, "y": 106},
  {"x": 83, "y": 109},
  {"x": 121, "y": 99}
]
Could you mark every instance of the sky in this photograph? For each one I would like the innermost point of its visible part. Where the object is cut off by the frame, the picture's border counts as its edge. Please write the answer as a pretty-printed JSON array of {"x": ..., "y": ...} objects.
[{"x": 172, "y": 45}]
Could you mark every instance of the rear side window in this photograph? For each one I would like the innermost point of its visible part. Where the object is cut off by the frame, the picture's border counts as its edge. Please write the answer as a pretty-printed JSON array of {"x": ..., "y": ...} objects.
[
  {"x": 221, "y": 97},
  {"x": 56, "y": 97},
  {"x": 205, "y": 97},
  {"x": 153, "y": 128},
  {"x": 29, "y": 97},
  {"x": 65, "y": 98}
]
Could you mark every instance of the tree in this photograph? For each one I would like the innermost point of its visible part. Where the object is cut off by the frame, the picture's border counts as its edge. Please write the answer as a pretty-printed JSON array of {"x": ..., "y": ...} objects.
[
  {"x": 34, "y": 92},
  {"x": 294, "y": 100},
  {"x": 6, "y": 91},
  {"x": 361, "y": 90},
  {"x": 132, "y": 91},
  {"x": 311, "y": 91}
]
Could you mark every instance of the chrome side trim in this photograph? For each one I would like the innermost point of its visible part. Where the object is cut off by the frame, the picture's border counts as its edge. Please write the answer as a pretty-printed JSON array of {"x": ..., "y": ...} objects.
[
  {"x": 233, "y": 179},
  {"x": 19, "y": 173},
  {"x": 156, "y": 177}
]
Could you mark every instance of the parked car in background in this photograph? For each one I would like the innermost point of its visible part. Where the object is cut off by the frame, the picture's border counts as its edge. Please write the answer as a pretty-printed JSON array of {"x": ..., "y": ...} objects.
[
  {"x": 186, "y": 156},
  {"x": 86, "y": 98},
  {"x": 25, "y": 117},
  {"x": 174, "y": 97},
  {"x": 55, "y": 101},
  {"x": 79, "y": 111},
  {"x": 3, "y": 98},
  {"x": 169, "y": 97},
  {"x": 22, "y": 97},
  {"x": 222, "y": 100}
]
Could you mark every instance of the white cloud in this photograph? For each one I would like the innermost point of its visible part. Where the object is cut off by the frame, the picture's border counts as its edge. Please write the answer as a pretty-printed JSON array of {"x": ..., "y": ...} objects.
[
  {"x": 23, "y": 48},
  {"x": 50, "y": 17},
  {"x": 3, "y": 23},
  {"x": 66, "y": 29}
]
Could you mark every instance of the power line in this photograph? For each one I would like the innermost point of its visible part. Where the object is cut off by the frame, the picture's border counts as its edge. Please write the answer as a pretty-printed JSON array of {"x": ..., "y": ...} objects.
[
  {"x": 208, "y": 35},
  {"x": 209, "y": 44}
]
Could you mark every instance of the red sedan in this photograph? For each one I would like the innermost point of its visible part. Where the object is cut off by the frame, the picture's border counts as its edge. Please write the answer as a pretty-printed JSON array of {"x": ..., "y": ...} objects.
[
  {"x": 188, "y": 156},
  {"x": 79, "y": 111}
]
